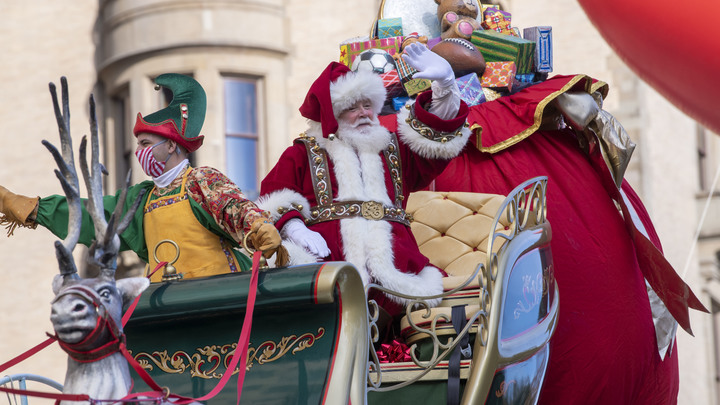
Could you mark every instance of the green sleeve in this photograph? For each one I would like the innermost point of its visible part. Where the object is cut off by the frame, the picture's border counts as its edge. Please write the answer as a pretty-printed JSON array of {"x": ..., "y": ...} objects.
[{"x": 53, "y": 215}]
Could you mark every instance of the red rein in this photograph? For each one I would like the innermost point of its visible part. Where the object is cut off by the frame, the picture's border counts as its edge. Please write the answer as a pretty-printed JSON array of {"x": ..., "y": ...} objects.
[{"x": 78, "y": 351}]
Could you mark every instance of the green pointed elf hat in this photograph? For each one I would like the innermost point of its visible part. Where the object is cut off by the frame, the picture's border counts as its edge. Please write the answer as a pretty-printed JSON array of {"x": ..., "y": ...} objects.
[{"x": 182, "y": 120}]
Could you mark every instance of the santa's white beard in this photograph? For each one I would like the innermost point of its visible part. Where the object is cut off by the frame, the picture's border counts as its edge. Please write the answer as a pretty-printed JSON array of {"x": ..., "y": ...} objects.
[{"x": 373, "y": 137}]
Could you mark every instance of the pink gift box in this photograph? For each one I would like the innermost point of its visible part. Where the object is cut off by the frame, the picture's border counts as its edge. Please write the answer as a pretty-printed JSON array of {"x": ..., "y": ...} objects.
[{"x": 349, "y": 51}]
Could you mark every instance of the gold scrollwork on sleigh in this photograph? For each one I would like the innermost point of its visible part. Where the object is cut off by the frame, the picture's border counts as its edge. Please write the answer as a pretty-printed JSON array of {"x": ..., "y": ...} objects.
[{"x": 206, "y": 361}]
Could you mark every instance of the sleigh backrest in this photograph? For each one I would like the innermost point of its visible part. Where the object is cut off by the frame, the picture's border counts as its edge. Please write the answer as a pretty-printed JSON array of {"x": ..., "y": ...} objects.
[{"x": 510, "y": 304}]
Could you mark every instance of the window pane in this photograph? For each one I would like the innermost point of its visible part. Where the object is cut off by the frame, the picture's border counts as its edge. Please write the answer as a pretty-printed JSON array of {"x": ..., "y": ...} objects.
[
  {"x": 240, "y": 107},
  {"x": 242, "y": 164}
]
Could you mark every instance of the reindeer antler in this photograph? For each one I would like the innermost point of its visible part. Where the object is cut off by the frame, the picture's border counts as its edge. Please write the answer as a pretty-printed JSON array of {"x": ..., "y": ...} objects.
[
  {"x": 105, "y": 248},
  {"x": 69, "y": 181},
  {"x": 103, "y": 251}
]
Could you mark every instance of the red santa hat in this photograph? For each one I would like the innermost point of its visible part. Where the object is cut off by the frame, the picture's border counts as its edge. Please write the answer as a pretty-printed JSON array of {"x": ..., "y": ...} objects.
[{"x": 337, "y": 89}]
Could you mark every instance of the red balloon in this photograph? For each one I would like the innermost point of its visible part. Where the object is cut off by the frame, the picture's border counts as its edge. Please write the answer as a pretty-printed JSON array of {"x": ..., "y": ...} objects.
[{"x": 673, "y": 46}]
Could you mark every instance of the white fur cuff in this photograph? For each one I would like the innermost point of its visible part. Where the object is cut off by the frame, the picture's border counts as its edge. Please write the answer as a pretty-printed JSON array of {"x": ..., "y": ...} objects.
[
  {"x": 428, "y": 148},
  {"x": 281, "y": 201}
]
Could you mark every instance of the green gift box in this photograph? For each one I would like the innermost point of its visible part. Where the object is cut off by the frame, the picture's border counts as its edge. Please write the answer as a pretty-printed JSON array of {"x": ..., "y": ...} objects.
[
  {"x": 416, "y": 86},
  {"x": 389, "y": 27},
  {"x": 497, "y": 47}
]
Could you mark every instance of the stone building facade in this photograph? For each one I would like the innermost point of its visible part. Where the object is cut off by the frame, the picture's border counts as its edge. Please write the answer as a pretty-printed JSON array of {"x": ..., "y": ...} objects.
[{"x": 265, "y": 53}]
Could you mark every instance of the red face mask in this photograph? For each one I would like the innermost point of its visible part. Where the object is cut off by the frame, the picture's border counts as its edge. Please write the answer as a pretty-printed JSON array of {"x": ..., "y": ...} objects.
[{"x": 151, "y": 166}]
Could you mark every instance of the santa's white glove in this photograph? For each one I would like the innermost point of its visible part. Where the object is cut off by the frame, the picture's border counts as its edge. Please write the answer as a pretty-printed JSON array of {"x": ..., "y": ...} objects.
[
  {"x": 296, "y": 231},
  {"x": 428, "y": 64}
]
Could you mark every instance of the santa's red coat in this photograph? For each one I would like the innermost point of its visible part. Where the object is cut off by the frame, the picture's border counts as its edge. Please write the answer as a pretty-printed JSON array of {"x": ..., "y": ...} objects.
[{"x": 381, "y": 250}]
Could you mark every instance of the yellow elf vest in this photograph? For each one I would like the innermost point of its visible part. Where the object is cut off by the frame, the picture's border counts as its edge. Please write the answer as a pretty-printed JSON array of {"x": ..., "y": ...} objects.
[{"x": 202, "y": 253}]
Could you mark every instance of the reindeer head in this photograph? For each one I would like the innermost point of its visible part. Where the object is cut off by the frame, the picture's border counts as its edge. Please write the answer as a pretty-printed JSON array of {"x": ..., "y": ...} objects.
[{"x": 86, "y": 313}]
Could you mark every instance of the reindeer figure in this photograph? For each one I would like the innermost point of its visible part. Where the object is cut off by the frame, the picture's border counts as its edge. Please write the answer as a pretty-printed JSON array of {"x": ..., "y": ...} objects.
[{"x": 86, "y": 313}]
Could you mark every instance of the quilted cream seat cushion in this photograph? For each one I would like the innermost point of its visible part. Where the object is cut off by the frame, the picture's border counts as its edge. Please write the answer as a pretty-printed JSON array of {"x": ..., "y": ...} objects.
[{"x": 452, "y": 230}]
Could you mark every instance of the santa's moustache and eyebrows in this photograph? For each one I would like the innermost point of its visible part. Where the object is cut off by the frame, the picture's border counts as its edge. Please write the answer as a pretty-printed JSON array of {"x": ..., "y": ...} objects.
[{"x": 339, "y": 192}]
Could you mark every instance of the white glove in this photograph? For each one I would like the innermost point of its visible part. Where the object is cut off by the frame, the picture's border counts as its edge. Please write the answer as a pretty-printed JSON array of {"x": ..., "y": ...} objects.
[
  {"x": 428, "y": 64},
  {"x": 296, "y": 231}
]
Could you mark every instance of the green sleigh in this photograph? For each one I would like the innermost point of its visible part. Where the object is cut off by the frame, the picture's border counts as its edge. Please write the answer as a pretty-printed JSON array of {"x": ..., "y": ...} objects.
[{"x": 313, "y": 332}]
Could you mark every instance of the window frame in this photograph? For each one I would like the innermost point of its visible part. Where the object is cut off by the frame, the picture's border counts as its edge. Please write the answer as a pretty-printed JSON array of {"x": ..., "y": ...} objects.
[{"x": 259, "y": 135}]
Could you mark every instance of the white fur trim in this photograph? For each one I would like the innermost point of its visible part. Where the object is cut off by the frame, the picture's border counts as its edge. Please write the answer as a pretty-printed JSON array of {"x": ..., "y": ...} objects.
[
  {"x": 425, "y": 147},
  {"x": 283, "y": 199},
  {"x": 360, "y": 175},
  {"x": 368, "y": 244},
  {"x": 298, "y": 255},
  {"x": 315, "y": 129},
  {"x": 424, "y": 284},
  {"x": 380, "y": 262},
  {"x": 356, "y": 86}
]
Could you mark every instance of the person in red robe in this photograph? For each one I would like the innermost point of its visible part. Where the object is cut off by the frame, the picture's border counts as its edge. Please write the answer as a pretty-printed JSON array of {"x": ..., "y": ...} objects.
[
  {"x": 604, "y": 349},
  {"x": 340, "y": 191}
]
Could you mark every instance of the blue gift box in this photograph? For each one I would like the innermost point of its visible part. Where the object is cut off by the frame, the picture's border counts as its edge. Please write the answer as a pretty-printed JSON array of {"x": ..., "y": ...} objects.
[
  {"x": 389, "y": 27},
  {"x": 542, "y": 36},
  {"x": 525, "y": 77},
  {"x": 471, "y": 91},
  {"x": 399, "y": 102}
]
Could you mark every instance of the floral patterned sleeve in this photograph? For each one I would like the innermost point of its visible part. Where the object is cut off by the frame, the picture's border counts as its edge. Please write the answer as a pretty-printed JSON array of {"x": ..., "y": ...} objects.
[{"x": 222, "y": 199}]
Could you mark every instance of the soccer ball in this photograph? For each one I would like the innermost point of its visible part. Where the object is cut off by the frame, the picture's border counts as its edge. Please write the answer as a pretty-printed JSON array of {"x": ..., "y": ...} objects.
[{"x": 374, "y": 59}]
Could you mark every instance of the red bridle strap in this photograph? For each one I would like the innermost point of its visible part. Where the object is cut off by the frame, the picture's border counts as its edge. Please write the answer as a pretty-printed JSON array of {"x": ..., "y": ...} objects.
[
  {"x": 50, "y": 340},
  {"x": 24, "y": 356},
  {"x": 77, "y": 351},
  {"x": 50, "y": 395},
  {"x": 158, "y": 392}
]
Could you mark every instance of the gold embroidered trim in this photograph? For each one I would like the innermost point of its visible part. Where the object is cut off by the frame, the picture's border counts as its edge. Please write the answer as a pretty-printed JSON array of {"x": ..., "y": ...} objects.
[
  {"x": 319, "y": 169},
  {"x": 590, "y": 87},
  {"x": 328, "y": 211},
  {"x": 206, "y": 361},
  {"x": 394, "y": 163},
  {"x": 371, "y": 210},
  {"x": 429, "y": 133}
]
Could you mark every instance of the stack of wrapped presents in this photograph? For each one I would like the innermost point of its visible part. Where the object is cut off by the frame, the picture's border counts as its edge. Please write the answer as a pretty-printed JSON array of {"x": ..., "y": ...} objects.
[{"x": 513, "y": 58}]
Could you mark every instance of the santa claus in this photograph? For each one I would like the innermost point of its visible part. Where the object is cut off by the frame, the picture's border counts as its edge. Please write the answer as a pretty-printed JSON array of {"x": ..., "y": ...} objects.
[{"x": 340, "y": 191}]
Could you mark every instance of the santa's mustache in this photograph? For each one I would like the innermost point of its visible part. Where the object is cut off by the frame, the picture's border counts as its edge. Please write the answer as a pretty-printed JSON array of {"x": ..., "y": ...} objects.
[{"x": 362, "y": 121}]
